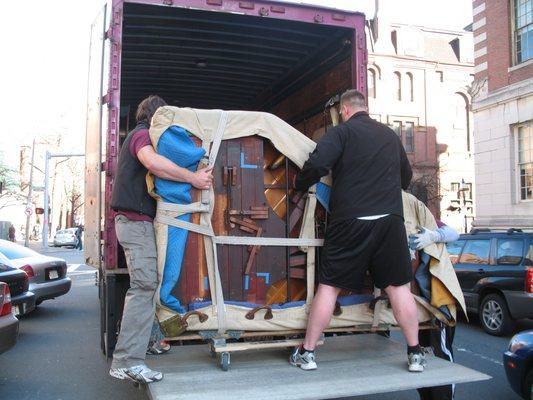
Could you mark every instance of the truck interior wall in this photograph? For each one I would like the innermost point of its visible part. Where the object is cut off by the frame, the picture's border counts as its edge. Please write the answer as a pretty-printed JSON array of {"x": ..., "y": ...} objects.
[{"x": 203, "y": 59}]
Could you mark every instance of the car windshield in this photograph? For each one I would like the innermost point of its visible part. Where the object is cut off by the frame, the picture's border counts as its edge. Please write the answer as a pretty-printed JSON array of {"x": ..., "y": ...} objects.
[{"x": 13, "y": 251}]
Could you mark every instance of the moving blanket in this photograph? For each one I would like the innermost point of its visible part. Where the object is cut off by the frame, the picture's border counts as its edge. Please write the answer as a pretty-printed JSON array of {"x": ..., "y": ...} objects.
[
  {"x": 219, "y": 314},
  {"x": 176, "y": 145}
]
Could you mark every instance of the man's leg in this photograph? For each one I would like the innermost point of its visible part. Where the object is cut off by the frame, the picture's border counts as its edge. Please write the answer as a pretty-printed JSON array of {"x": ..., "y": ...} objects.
[
  {"x": 405, "y": 311},
  {"x": 321, "y": 311},
  {"x": 138, "y": 241}
]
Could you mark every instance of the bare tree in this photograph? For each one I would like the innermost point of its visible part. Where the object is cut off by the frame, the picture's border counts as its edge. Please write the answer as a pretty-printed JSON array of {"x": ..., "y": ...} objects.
[
  {"x": 10, "y": 194},
  {"x": 74, "y": 187}
]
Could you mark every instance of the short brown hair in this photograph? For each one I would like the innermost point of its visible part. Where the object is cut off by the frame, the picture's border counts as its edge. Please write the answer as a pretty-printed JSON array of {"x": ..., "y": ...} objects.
[
  {"x": 148, "y": 107},
  {"x": 353, "y": 98}
]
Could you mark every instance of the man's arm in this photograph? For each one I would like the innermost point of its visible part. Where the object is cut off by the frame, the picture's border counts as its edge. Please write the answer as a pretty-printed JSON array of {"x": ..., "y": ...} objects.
[
  {"x": 321, "y": 161},
  {"x": 405, "y": 168},
  {"x": 163, "y": 168}
]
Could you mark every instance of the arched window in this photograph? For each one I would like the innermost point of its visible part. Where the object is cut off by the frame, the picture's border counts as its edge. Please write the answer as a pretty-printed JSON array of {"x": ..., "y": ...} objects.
[
  {"x": 398, "y": 85},
  {"x": 371, "y": 76},
  {"x": 462, "y": 117},
  {"x": 411, "y": 87}
]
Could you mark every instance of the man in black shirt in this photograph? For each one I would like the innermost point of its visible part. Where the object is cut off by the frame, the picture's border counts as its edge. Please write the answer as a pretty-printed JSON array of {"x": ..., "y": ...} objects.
[{"x": 366, "y": 230}]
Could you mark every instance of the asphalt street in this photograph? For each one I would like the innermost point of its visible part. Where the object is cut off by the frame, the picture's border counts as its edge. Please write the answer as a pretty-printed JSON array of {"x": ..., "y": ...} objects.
[{"x": 58, "y": 352}]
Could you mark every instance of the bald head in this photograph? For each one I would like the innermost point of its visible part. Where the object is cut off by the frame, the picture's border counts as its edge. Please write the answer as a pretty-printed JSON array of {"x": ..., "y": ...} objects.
[{"x": 352, "y": 101}]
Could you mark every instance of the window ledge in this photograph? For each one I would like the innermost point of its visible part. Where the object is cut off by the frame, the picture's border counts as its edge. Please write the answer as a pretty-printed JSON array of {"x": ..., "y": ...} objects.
[{"x": 521, "y": 65}]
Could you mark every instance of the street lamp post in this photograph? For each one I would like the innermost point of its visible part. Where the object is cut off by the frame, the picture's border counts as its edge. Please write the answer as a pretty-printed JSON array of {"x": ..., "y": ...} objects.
[{"x": 46, "y": 196}]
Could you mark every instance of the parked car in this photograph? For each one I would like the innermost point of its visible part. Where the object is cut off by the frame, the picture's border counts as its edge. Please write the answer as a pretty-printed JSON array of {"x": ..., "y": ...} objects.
[
  {"x": 518, "y": 363},
  {"x": 47, "y": 275},
  {"x": 9, "y": 325},
  {"x": 66, "y": 237},
  {"x": 22, "y": 299},
  {"x": 495, "y": 271}
]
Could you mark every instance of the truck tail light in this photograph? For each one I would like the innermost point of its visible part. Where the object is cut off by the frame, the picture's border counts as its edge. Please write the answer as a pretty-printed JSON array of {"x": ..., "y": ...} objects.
[
  {"x": 529, "y": 280},
  {"x": 29, "y": 270},
  {"x": 5, "y": 306}
]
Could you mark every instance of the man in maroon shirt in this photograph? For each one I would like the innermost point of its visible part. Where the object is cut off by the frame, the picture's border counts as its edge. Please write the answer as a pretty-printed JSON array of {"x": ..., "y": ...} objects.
[{"x": 136, "y": 210}]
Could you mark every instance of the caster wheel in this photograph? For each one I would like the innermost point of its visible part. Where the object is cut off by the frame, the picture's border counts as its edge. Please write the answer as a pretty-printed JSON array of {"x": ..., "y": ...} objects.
[{"x": 225, "y": 361}]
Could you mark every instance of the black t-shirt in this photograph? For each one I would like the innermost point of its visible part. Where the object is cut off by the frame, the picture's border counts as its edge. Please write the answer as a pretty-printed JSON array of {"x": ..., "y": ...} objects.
[{"x": 369, "y": 168}]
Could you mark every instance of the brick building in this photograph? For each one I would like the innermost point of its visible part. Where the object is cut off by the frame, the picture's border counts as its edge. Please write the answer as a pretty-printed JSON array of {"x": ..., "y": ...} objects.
[{"x": 503, "y": 112}]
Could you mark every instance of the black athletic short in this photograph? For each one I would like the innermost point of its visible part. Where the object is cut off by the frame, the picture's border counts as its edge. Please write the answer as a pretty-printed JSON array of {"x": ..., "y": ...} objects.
[{"x": 354, "y": 246}]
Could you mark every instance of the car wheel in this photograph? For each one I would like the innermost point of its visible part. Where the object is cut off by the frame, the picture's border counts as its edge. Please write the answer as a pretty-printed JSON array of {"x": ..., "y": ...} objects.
[
  {"x": 528, "y": 386},
  {"x": 494, "y": 315}
]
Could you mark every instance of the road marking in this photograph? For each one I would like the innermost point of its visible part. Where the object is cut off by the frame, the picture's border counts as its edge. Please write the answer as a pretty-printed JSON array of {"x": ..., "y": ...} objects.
[
  {"x": 73, "y": 267},
  {"x": 492, "y": 360},
  {"x": 78, "y": 273}
]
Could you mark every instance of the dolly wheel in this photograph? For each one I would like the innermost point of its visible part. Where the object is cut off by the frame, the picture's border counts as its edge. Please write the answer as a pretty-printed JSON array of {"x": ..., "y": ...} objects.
[{"x": 225, "y": 361}]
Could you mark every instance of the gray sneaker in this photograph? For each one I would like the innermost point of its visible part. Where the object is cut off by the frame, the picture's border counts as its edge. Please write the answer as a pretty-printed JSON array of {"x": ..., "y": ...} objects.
[
  {"x": 416, "y": 362},
  {"x": 305, "y": 361},
  {"x": 139, "y": 373}
]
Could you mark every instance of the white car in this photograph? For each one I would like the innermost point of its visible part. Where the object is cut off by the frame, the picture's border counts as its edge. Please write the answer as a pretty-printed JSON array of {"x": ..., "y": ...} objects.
[{"x": 66, "y": 237}]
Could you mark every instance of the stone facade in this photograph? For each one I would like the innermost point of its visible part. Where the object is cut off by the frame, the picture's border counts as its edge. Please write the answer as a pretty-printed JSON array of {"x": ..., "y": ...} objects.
[
  {"x": 503, "y": 113},
  {"x": 419, "y": 82}
]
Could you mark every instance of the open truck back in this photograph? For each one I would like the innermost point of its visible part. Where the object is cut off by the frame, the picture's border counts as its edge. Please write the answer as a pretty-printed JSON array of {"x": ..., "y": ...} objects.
[{"x": 281, "y": 58}]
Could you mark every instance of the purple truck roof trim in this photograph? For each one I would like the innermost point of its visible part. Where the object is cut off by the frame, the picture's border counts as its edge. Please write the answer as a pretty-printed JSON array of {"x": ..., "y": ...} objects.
[{"x": 292, "y": 11}]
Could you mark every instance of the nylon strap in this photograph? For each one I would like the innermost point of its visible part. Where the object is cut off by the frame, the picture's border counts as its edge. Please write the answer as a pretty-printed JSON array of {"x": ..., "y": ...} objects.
[
  {"x": 378, "y": 307},
  {"x": 178, "y": 223},
  {"x": 217, "y": 139},
  {"x": 182, "y": 208}
]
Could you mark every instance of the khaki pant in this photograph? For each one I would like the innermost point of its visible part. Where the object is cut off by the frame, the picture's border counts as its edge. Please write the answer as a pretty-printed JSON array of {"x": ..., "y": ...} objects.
[{"x": 138, "y": 240}]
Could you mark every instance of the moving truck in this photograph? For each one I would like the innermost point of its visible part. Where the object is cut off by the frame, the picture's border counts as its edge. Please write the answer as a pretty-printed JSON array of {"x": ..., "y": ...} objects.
[{"x": 283, "y": 58}]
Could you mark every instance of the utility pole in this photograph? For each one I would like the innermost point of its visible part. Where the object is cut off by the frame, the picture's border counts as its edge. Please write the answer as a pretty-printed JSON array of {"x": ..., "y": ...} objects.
[
  {"x": 30, "y": 193},
  {"x": 48, "y": 156}
]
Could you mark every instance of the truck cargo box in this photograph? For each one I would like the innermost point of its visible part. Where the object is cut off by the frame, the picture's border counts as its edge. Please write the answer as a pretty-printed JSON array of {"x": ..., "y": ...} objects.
[{"x": 283, "y": 58}]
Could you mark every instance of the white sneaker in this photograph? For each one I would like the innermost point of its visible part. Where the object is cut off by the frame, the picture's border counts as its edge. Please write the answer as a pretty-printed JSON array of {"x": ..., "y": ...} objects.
[
  {"x": 119, "y": 373},
  {"x": 416, "y": 362},
  {"x": 305, "y": 361},
  {"x": 139, "y": 373}
]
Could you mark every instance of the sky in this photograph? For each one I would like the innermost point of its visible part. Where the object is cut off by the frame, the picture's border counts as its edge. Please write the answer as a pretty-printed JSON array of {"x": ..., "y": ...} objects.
[{"x": 45, "y": 43}]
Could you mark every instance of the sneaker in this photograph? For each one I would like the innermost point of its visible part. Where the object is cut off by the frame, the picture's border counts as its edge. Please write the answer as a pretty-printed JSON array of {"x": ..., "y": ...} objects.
[
  {"x": 119, "y": 373},
  {"x": 139, "y": 373},
  {"x": 305, "y": 361},
  {"x": 160, "y": 347},
  {"x": 416, "y": 362}
]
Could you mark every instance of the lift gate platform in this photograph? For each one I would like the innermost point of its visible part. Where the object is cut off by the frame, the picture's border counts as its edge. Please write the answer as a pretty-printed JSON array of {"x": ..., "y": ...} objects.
[{"x": 347, "y": 366}]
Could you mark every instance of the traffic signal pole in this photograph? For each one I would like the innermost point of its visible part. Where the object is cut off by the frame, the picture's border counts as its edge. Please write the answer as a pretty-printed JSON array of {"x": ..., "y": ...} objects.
[{"x": 29, "y": 200}]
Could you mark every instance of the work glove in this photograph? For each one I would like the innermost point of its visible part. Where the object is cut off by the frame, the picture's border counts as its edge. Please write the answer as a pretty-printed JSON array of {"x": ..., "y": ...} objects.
[{"x": 423, "y": 239}]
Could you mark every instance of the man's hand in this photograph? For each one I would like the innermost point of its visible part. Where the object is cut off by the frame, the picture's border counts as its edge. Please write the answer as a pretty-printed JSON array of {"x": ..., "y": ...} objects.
[
  {"x": 423, "y": 239},
  {"x": 203, "y": 178}
]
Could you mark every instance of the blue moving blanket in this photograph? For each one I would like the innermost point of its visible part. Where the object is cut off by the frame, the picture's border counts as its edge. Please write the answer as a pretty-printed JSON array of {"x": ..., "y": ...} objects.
[{"x": 176, "y": 145}]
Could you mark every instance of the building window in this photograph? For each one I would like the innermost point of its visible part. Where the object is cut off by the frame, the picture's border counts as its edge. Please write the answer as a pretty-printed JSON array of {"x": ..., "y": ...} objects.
[
  {"x": 409, "y": 129},
  {"x": 398, "y": 85},
  {"x": 406, "y": 132},
  {"x": 411, "y": 87},
  {"x": 455, "y": 187},
  {"x": 397, "y": 128},
  {"x": 462, "y": 117},
  {"x": 523, "y": 30},
  {"x": 371, "y": 83},
  {"x": 525, "y": 161},
  {"x": 440, "y": 76}
]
